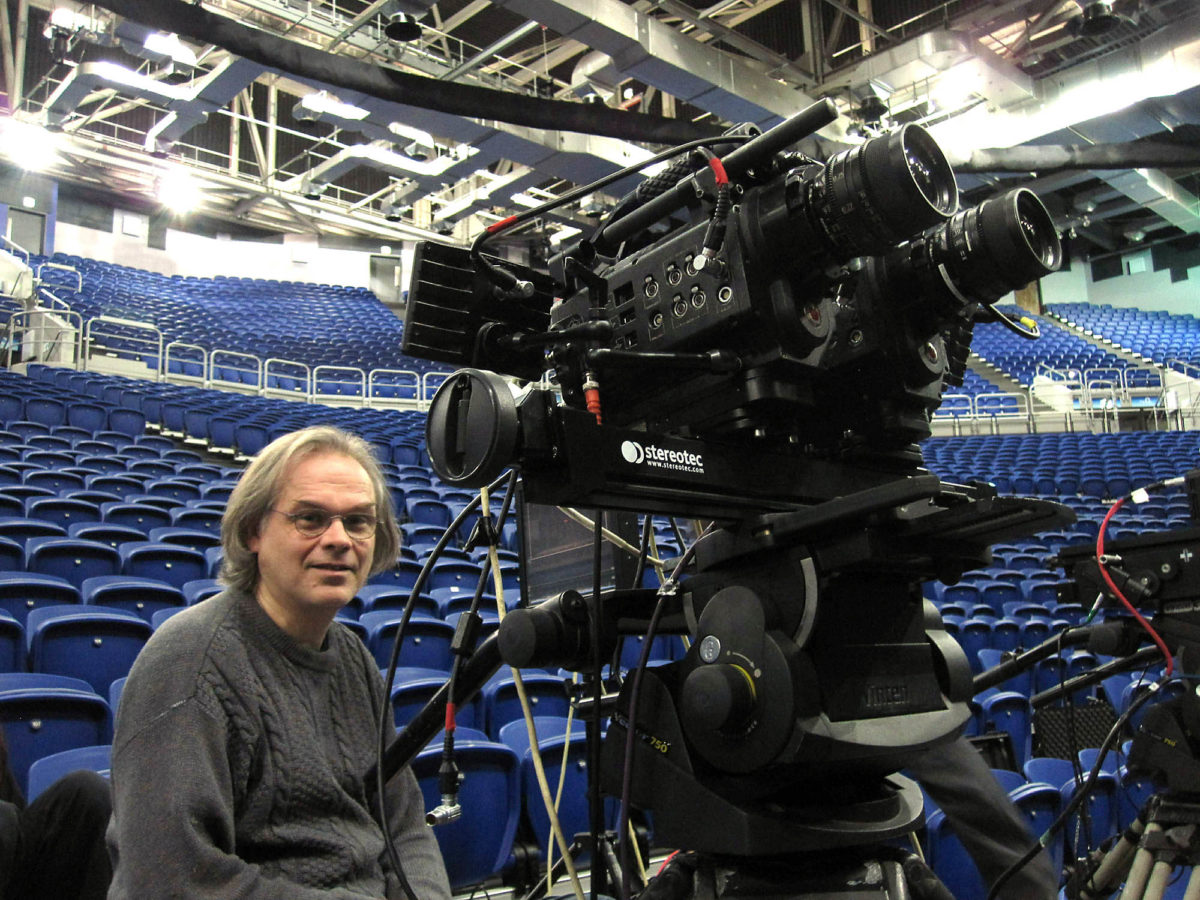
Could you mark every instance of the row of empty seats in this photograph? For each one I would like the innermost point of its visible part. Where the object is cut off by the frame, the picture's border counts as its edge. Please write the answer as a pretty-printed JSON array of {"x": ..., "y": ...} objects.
[
  {"x": 1057, "y": 348},
  {"x": 1156, "y": 335}
]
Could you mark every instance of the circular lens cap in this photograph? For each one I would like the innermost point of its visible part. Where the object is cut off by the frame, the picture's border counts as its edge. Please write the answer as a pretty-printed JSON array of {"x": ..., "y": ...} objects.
[{"x": 471, "y": 433}]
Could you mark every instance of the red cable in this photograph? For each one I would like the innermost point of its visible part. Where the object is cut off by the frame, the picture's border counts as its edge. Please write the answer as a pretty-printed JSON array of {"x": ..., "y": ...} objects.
[
  {"x": 450, "y": 708},
  {"x": 714, "y": 163},
  {"x": 501, "y": 225},
  {"x": 1170, "y": 667}
]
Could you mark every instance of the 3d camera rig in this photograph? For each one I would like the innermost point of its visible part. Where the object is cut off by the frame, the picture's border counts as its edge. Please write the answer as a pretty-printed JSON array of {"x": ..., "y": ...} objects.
[{"x": 758, "y": 338}]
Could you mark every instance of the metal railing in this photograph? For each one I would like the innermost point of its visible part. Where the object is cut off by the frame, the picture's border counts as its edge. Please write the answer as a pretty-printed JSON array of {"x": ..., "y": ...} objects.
[
  {"x": 232, "y": 368},
  {"x": 430, "y": 382},
  {"x": 339, "y": 382},
  {"x": 180, "y": 362},
  {"x": 394, "y": 384},
  {"x": 125, "y": 339},
  {"x": 9, "y": 244},
  {"x": 287, "y": 376},
  {"x": 56, "y": 303},
  {"x": 994, "y": 411},
  {"x": 59, "y": 267}
]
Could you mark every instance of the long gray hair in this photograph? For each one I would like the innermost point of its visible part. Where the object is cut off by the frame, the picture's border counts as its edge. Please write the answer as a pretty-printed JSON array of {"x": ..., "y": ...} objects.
[{"x": 258, "y": 490}]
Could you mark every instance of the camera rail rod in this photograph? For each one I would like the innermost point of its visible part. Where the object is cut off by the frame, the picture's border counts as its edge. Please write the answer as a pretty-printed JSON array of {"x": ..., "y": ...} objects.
[{"x": 737, "y": 162}]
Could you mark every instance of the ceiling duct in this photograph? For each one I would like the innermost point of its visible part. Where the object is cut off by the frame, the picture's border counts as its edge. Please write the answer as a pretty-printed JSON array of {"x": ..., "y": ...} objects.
[
  {"x": 643, "y": 48},
  {"x": 919, "y": 70},
  {"x": 1100, "y": 102},
  {"x": 87, "y": 78},
  {"x": 188, "y": 104},
  {"x": 211, "y": 93},
  {"x": 595, "y": 74}
]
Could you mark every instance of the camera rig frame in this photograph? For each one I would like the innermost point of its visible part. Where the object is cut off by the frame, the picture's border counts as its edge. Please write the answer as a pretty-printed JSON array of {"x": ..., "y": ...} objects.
[{"x": 759, "y": 342}]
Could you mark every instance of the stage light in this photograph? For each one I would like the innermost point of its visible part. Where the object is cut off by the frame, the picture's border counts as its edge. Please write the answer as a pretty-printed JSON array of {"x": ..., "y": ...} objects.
[
  {"x": 28, "y": 146},
  {"x": 178, "y": 191}
]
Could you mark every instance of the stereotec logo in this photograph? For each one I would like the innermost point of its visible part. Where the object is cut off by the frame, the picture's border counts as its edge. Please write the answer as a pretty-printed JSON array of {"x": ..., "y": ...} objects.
[{"x": 661, "y": 458}]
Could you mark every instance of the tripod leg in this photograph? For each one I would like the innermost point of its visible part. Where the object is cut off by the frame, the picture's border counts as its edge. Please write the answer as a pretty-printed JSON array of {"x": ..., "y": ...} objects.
[
  {"x": 1193, "y": 887},
  {"x": 1143, "y": 860},
  {"x": 1160, "y": 876},
  {"x": 1115, "y": 865}
]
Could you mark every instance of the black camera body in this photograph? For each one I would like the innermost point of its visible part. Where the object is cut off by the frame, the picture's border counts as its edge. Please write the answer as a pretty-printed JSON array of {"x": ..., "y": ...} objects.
[{"x": 760, "y": 341}]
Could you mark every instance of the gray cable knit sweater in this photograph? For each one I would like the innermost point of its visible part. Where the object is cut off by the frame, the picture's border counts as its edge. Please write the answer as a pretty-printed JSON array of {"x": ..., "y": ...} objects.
[{"x": 238, "y": 768}]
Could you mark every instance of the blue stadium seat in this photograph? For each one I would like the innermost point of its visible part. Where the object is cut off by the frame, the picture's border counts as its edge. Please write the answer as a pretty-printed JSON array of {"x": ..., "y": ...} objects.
[
  {"x": 403, "y": 575},
  {"x": 12, "y": 555},
  {"x": 426, "y": 640},
  {"x": 161, "y": 615},
  {"x": 200, "y": 589},
  {"x": 43, "y": 714},
  {"x": 127, "y": 421},
  {"x": 172, "y": 563},
  {"x": 1040, "y": 803},
  {"x": 90, "y": 417},
  {"x": 547, "y": 695},
  {"x": 951, "y": 862},
  {"x": 21, "y": 529},
  {"x": 196, "y": 538},
  {"x": 199, "y": 519},
  {"x": 478, "y": 845},
  {"x": 141, "y": 596},
  {"x": 1010, "y": 712},
  {"x": 377, "y": 597},
  {"x": 12, "y": 644},
  {"x": 105, "y": 533},
  {"x": 73, "y": 559},
  {"x": 454, "y": 573},
  {"x": 414, "y": 686},
  {"x": 141, "y": 516},
  {"x": 22, "y": 592},
  {"x": 91, "y": 643},
  {"x": 573, "y": 807},
  {"x": 49, "y": 769},
  {"x": 56, "y": 480},
  {"x": 62, "y": 511}
]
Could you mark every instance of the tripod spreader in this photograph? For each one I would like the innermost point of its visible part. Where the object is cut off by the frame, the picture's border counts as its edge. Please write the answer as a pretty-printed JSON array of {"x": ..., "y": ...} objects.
[
  {"x": 1108, "y": 638},
  {"x": 1139, "y": 660}
]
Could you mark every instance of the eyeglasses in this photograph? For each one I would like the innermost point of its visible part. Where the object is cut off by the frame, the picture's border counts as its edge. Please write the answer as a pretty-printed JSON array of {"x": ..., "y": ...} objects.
[{"x": 315, "y": 522}]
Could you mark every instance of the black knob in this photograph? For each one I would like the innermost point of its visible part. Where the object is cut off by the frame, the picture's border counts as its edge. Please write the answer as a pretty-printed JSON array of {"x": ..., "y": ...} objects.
[
  {"x": 718, "y": 697},
  {"x": 472, "y": 429}
]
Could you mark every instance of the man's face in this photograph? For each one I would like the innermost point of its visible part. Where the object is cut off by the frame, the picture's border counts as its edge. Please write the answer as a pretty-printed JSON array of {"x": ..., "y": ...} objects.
[{"x": 303, "y": 581}]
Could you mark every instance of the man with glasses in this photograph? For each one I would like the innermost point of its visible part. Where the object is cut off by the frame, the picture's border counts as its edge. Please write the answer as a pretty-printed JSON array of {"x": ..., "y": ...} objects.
[{"x": 248, "y": 722}]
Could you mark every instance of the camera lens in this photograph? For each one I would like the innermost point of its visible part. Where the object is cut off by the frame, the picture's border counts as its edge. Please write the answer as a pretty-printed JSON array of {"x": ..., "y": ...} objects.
[
  {"x": 886, "y": 190},
  {"x": 930, "y": 170},
  {"x": 980, "y": 254},
  {"x": 998, "y": 246},
  {"x": 1040, "y": 233}
]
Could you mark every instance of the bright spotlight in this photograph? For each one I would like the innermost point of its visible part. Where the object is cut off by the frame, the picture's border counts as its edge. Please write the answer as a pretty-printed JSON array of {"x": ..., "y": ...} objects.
[
  {"x": 178, "y": 191},
  {"x": 29, "y": 146}
]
